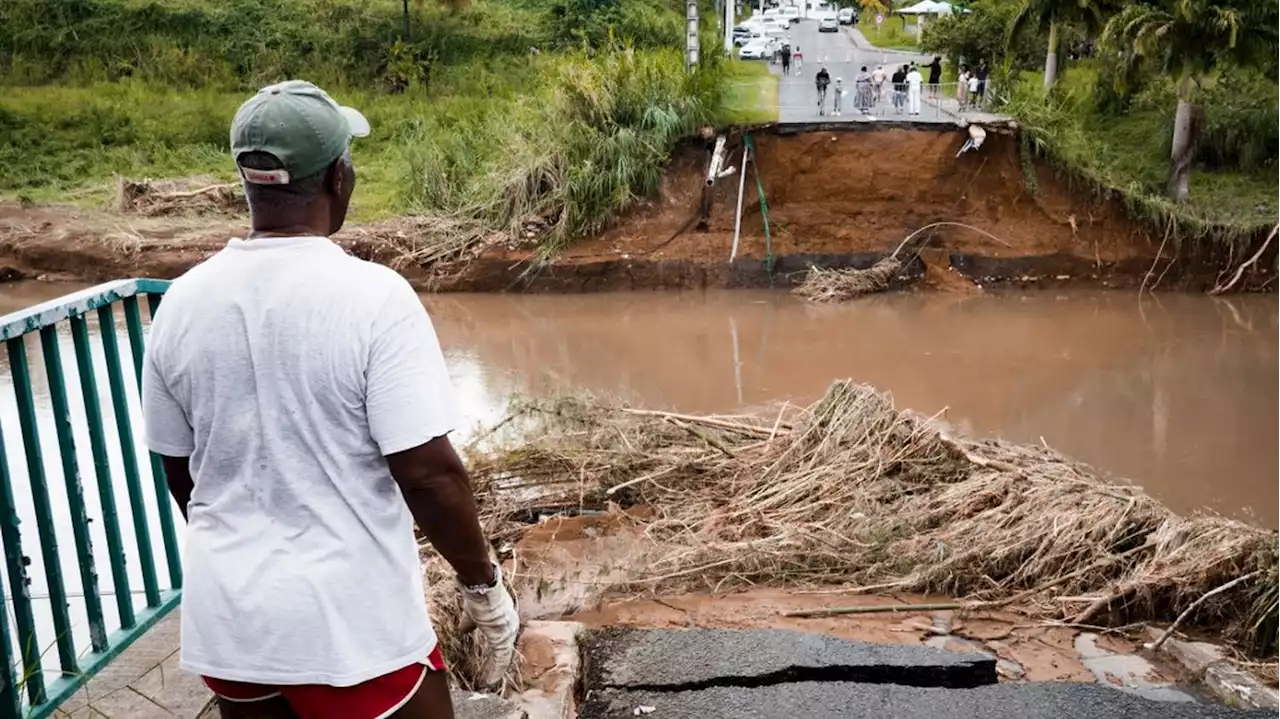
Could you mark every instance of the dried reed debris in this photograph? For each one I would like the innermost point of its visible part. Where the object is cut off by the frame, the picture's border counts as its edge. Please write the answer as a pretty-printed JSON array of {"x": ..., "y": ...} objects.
[
  {"x": 852, "y": 491},
  {"x": 154, "y": 198}
]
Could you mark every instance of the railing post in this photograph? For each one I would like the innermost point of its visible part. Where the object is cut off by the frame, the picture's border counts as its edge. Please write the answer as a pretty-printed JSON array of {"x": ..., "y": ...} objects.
[
  {"x": 128, "y": 455},
  {"x": 10, "y": 697},
  {"x": 20, "y": 587},
  {"x": 21, "y": 374},
  {"x": 173, "y": 558},
  {"x": 75, "y": 489},
  {"x": 102, "y": 469}
]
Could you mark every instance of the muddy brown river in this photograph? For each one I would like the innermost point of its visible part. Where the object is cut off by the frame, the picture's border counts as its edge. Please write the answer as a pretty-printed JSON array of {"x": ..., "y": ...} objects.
[{"x": 1177, "y": 393}]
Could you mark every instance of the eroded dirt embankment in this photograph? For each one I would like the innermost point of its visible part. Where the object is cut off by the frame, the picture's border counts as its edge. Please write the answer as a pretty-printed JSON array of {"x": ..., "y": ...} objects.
[{"x": 840, "y": 198}]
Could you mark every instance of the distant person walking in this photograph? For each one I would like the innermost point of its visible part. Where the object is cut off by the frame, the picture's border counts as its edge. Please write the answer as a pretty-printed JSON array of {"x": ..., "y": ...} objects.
[
  {"x": 878, "y": 76},
  {"x": 822, "y": 80},
  {"x": 962, "y": 86},
  {"x": 862, "y": 85},
  {"x": 914, "y": 80},
  {"x": 836, "y": 96},
  {"x": 899, "y": 82},
  {"x": 935, "y": 76},
  {"x": 786, "y": 59},
  {"x": 983, "y": 72},
  {"x": 797, "y": 57}
]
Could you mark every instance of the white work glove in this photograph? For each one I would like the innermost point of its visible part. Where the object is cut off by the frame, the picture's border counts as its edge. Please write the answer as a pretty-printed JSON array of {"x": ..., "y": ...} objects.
[{"x": 492, "y": 611}]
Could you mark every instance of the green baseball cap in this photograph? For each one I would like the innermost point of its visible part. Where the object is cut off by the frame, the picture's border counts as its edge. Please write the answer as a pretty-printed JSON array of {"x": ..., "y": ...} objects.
[{"x": 298, "y": 124}]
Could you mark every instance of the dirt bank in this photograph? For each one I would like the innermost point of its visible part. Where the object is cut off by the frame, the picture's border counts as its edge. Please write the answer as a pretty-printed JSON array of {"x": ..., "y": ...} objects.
[{"x": 836, "y": 198}]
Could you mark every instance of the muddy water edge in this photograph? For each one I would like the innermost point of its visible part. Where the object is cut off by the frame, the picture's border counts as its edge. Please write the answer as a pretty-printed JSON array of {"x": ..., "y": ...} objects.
[{"x": 1176, "y": 393}]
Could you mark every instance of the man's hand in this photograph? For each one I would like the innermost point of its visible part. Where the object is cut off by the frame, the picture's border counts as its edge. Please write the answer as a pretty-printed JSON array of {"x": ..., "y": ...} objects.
[{"x": 492, "y": 611}]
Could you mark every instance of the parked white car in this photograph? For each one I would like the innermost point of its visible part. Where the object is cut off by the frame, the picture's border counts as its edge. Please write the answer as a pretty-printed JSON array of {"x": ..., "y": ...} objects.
[
  {"x": 791, "y": 13},
  {"x": 847, "y": 16},
  {"x": 828, "y": 24},
  {"x": 759, "y": 49}
]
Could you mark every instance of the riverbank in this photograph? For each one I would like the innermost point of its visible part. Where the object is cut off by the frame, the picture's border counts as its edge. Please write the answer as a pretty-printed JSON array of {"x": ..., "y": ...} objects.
[
  {"x": 840, "y": 197},
  {"x": 802, "y": 517}
]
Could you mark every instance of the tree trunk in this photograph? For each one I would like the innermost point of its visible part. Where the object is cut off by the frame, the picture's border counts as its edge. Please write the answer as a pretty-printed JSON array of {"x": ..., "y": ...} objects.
[
  {"x": 1186, "y": 136},
  {"x": 1051, "y": 58},
  {"x": 406, "y": 20}
]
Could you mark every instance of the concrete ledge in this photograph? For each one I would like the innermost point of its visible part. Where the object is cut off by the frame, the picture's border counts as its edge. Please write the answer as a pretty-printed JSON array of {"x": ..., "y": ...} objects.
[
  {"x": 471, "y": 705},
  {"x": 550, "y": 656},
  {"x": 671, "y": 660},
  {"x": 840, "y": 700},
  {"x": 1232, "y": 686}
]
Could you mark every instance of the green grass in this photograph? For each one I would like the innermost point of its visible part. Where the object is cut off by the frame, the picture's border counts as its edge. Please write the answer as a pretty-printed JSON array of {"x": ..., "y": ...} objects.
[
  {"x": 575, "y": 133},
  {"x": 1129, "y": 152},
  {"x": 749, "y": 94},
  {"x": 891, "y": 34}
]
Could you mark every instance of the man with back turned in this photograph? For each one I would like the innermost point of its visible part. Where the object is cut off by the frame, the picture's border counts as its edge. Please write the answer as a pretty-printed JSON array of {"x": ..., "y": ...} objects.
[{"x": 301, "y": 406}]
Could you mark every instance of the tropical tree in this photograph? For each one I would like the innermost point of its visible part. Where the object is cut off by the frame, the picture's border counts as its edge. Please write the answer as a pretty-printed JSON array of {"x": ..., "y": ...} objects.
[
  {"x": 1050, "y": 16},
  {"x": 1190, "y": 40}
]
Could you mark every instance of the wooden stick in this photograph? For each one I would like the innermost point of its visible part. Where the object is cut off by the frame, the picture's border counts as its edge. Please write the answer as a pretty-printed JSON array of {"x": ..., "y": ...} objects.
[
  {"x": 1098, "y": 604},
  {"x": 1249, "y": 263},
  {"x": 878, "y": 609},
  {"x": 710, "y": 421},
  {"x": 1155, "y": 646},
  {"x": 969, "y": 606}
]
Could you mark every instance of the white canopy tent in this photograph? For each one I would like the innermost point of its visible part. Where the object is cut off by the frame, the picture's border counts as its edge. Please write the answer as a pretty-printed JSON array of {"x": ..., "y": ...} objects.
[{"x": 927, "y": 7}]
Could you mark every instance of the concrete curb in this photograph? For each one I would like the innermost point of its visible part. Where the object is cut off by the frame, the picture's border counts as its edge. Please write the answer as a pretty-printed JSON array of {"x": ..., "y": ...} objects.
[
  {"x": 554, "y": 695},
  {"x": 1230, "y": 685}
]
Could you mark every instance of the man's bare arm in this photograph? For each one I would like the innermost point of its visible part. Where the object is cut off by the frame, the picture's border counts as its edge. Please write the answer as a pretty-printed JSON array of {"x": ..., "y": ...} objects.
[
  {"x": 436, "y": 488},
  {"x": 177, "y": 472}
]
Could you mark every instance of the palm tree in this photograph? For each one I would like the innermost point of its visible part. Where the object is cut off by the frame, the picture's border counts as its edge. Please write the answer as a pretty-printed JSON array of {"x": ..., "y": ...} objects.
[
  {"x": 1052, "y": 15},
  {"x": 1189, "y": 40}
]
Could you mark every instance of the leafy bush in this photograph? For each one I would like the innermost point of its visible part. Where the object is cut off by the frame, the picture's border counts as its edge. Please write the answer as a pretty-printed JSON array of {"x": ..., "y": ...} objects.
[
  {"x": 980, "y": 34},
  {"x": 586, "y": 143}
]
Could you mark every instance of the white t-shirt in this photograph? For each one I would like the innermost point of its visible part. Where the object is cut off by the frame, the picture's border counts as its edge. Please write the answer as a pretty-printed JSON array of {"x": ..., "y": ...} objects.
[
  {"x": 973, "y": 83},
  {"x": 914, "y": 80},
  {"x": 287, "y": 370}
]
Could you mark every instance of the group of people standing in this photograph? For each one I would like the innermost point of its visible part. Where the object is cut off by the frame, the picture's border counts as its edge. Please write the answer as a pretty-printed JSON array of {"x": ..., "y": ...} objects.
[
  {"x": 907, "y": 82},
  {"x": 972, "y": 86}
]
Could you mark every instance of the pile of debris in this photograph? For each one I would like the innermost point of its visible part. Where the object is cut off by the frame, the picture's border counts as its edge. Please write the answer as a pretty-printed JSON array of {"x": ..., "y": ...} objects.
[
  {"x": 850, "y": 491},
  {"x": 154, "y": 198}
]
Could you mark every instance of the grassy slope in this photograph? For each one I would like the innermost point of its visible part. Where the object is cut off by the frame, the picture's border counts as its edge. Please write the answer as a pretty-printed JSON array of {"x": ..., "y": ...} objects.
[
  {"x": 749, "y": 94},
  {"x": 1129, "y": 152},
  {"x": 497, "y": 135},
  {"x": 891, "y": 34}
]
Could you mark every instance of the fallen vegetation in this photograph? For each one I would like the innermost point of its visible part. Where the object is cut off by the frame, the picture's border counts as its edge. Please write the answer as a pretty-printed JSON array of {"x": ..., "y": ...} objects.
[
  {"x": 850, "y": 491},
  {"x": 169, "y": 197}
]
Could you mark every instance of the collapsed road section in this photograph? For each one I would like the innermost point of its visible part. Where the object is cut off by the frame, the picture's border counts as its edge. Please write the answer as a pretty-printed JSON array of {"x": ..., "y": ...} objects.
[{"x": 778, "y": 674}]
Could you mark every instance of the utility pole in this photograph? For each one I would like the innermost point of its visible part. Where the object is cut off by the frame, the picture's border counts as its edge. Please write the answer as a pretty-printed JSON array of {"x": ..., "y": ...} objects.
[
  {"x": 728, "y": 26},
  {"x": 691, "y": 39}
]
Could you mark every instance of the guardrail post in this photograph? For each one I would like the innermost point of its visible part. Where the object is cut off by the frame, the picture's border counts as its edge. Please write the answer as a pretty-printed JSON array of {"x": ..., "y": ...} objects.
[
  {"x": 133, "y": 321},
  {"x": 102, "y": 469},
  {"x": 21, "y": 374},
  {"x": 128, "y": 455},
  {"x": 75, "y": 489}
]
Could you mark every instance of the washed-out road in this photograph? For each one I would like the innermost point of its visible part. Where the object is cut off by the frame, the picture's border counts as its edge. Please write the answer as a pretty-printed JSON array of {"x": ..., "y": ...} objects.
[{"x": 844, "y": 53}]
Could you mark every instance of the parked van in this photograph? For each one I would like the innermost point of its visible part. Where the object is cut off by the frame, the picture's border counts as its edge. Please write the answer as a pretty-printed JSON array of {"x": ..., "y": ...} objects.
[
  {"x": 791, "y": 13},
  {"x": 847, "y": 16}
]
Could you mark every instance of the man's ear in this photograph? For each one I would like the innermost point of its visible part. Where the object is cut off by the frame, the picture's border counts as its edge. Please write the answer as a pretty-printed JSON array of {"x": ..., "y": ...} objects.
[{"x": 335, "y": 181}]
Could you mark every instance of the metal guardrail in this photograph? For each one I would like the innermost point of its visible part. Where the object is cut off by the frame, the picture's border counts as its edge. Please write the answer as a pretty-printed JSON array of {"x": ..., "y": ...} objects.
[{"x": 25, "y": 672}]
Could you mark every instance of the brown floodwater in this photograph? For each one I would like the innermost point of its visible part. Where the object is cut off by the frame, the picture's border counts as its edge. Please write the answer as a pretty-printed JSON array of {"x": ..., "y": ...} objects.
[{"x": 1177, "y": 393}]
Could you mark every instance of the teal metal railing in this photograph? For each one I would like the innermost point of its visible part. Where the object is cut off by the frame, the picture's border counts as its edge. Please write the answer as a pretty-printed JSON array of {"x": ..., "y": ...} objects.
[{"x": 30, "y": 687}]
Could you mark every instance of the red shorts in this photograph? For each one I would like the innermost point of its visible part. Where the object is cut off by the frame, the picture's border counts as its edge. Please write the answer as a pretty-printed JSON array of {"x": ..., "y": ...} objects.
[{"x": 374, "y": 699}]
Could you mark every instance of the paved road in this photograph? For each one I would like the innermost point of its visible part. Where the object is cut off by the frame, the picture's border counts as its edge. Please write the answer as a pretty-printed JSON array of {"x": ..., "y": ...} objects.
[{"x": 843, "y": 58}]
